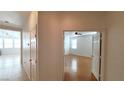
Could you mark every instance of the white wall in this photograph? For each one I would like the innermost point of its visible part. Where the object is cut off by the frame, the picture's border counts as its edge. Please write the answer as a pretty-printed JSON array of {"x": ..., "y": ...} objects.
[
  {"x": 84, "y": 46},
  {"x": 67, "y": 44},
  {"x": 51, "y": 27},
  {"x": 115, "y": 46},
  {"x": 48, "y": 28}
]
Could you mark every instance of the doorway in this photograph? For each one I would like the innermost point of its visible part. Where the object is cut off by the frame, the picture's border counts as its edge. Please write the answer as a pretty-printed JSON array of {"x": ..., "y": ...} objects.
[
  {"x": 10, "y": 56},
  {"x": 82, "y": 55}
]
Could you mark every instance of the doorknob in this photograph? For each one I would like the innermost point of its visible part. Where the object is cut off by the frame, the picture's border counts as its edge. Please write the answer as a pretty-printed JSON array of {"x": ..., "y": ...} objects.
[{"x": 30, "y": 60}]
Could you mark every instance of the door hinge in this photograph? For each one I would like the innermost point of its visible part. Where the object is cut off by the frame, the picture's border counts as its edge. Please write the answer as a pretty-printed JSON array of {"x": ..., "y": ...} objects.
[
  {"x": 99, "y": 77},
  {"x": 35, "y": 61},
  {"x": 35, "y": 35},
  {"x": 101, "y": 37},
  {"x": 36, "y": 27}
]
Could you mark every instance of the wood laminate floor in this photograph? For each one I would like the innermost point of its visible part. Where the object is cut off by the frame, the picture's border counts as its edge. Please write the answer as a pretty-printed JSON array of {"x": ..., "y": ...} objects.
[
  {"x": 11, "y": 69},
  {"x": 77, "y": 68}
]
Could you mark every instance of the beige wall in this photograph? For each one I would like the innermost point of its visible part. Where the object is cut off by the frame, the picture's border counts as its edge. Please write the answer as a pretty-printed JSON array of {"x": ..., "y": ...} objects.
[
  {"x": 115, "y": 46},
  {"x": 50, "y": 33},
  {"x": 48, "y": 28}
]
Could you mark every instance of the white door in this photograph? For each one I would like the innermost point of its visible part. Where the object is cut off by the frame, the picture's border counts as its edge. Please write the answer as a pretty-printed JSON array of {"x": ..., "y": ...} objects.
[
  {"x": 96, "y": 64},
  {"x": 26, "y": 53},
  {"x": 33, "y": 54}
]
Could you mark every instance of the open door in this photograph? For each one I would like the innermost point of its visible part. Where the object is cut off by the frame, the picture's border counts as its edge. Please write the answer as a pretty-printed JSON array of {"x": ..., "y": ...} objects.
[
  {"x": 26, "y": 53},
  {"x": 96, "y": 64},
  {"x": 33, "y": 55}
]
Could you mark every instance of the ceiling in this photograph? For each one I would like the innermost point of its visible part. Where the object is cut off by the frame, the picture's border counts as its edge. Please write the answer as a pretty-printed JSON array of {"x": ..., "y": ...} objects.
[
  {"x": 72, "y": 34},
  {"x": 14, "y": 17}
]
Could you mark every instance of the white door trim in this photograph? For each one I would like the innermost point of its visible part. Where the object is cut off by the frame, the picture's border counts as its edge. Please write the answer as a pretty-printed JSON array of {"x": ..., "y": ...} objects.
[{"x": 103, "y": 57}]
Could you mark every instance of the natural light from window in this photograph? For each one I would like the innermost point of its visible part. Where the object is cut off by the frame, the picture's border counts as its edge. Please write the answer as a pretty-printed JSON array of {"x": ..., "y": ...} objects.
[
  {"x": 17, "y": 43},
  {"x": 1, "y": 42},
  {"x": 10, "y": 39},
  {"x": 8, "y": 43}
]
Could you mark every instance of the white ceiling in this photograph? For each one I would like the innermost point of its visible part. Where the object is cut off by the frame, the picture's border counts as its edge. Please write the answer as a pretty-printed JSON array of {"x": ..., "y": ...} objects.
[
  {"x": 14, "y": 17},
  {"x": 72, "y": 34}
]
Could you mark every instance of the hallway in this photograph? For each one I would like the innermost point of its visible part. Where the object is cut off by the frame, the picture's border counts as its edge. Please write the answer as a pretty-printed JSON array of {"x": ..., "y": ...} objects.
[{"x": 10, "y": 68}]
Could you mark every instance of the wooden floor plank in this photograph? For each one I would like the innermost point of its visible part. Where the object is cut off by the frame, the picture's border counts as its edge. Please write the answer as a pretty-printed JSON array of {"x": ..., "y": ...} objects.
[
  {"x": 11, "y": 69},
  {"x": 77, "y": 68}
]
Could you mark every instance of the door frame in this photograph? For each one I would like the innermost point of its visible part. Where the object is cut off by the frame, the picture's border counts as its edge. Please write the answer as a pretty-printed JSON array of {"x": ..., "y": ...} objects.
[
  {"x": 21, "y": 47},
  {"x": 103, "y": 52},
  {"x": 36, "y": 61},
  {"x": 16, "y": 30},
  {"x": 37, "y": 48}
]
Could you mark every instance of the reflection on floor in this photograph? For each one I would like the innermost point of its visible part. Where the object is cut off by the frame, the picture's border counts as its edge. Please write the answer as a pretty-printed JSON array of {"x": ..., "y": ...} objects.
[
  {"x": 77, "y": 68},
  {"x": 10, "y": 68}
]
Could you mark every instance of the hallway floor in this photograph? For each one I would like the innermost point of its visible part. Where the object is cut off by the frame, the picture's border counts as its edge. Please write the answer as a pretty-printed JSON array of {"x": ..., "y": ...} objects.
[
  {"x": 11, "y": 69},
  {"x": 77, "y": 68}
]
